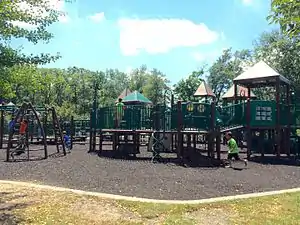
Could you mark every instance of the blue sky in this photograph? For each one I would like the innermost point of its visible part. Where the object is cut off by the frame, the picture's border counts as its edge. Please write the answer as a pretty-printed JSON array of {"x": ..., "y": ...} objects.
[{"x": 176, "y": 37}]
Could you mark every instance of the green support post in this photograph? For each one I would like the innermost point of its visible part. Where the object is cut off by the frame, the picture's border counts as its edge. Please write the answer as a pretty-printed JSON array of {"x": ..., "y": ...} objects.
[
  {"x": 72, "y": 131},
  {"x": 1, "y": 128}
]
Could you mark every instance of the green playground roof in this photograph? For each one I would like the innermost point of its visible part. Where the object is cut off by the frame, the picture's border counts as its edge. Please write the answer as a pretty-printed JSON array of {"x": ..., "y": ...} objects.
[
  {"x": 136, "y": 97},
  {"x": 124, "y": 93},
  {"x": 10, "y": 106}
]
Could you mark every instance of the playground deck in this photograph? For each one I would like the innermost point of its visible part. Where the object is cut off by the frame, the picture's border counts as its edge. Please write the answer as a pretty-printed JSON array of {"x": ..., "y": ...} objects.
[{"x": 142, "y": 178}]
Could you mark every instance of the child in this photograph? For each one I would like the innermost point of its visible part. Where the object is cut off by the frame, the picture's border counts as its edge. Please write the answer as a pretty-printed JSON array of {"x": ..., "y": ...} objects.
[
  {"x": 23, "y": 127},
  {"x": 67, "y": 141},
  {"x": 120, "y": 112},
  {"x": 233, "y": 149},
  {"x": 11, "y": 124},
  {"x": 22, "y": 137}
]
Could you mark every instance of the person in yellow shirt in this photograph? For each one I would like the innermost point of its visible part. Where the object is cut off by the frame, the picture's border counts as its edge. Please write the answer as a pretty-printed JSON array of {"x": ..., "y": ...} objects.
[
  {"x": 233, "y": 149},
  {"x": 119, "y": 112}
]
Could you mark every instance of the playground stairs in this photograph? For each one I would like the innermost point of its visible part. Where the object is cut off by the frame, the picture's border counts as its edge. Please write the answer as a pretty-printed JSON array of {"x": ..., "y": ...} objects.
[{"x": 58, "y": 136}]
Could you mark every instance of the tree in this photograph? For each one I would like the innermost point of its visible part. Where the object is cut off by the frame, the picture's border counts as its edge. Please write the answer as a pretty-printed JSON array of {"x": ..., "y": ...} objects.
[
  {"x": 281, "y": 53},
  {"x": 225, "y": 69},
  {"x": 186, "y": 88},
  {"x": 138, "y": 78},
  {"x": 287, "y": 14},
  {"x": 71, "y": 91},
  {"x": 156, "y": 86},
  {"x": 39, "y": 14},
  {"x": 115, "y": 82},
  {"x": 25, "y": 82}
]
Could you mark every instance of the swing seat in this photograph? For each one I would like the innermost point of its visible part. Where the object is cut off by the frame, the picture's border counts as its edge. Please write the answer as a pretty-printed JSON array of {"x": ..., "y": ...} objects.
[
  {"x": 19, "y": 152},
  {"x": 20, "y": 147}
]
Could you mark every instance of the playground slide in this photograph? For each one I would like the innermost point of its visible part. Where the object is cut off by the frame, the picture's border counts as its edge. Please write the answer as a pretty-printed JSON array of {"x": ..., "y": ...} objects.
[
  {"x": 232, "y": 128},
  {"x": 226, "y": 128}
]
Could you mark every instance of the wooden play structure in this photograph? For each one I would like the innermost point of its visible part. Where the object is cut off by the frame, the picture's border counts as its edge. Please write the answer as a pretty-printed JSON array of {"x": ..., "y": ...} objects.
[{"x": 182, "y": 127}]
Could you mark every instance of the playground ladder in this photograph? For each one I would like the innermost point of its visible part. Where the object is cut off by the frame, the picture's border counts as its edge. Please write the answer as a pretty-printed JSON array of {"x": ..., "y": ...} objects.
[{"x": 58, "y": 137}]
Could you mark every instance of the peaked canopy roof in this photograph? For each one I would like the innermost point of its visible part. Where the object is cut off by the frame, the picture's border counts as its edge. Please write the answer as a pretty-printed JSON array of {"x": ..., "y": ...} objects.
[
  {"x": 242, "y": 92},
  {"x": 124, "y": 93},
  {"x": 11, "y": 104},
  {"x": 204, "y": 91},
  {"x": 136, "y": 97},
  {"x": 260, "y": 73}
]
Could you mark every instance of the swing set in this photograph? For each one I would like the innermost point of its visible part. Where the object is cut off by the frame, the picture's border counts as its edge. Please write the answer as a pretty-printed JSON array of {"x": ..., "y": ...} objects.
[{"x": 28, "y": 113}]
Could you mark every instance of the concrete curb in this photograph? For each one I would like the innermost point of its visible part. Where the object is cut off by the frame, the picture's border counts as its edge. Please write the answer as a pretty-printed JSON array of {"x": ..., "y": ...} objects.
[{"x": 145, "y": 200}]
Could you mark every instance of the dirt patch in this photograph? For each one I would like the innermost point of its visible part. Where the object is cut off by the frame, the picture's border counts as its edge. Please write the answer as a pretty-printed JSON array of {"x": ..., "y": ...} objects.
[
  {"x": 25, "y": 205},
  {"x": 101, "y": 211},
  {"x": 209, "y": 216}
]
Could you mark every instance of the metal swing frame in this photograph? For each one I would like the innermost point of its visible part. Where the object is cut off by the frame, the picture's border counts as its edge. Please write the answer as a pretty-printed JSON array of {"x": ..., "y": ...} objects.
[{"x": 10, "y": 153}]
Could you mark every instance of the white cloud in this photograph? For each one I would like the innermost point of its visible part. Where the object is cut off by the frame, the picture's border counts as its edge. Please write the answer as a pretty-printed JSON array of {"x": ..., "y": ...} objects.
[
  {"x": 247, "y": 2},
  {"x": 57, "y": 5},
  {"x": 161, "y": 35},
  {"x": 98, "y": 17}
]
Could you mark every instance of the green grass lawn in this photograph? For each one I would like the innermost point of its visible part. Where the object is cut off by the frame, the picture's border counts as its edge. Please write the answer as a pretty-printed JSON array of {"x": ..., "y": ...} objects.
[{"x": 25, "y": 205}]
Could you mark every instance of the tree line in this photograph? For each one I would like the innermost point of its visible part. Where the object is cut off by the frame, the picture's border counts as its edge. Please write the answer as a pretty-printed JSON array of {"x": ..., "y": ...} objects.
[{"x": 72, "y": 90}]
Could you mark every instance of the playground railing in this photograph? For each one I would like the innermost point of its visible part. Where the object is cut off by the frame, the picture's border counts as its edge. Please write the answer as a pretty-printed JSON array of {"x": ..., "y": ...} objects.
[
  {"x": 197, "y": 115},
  {"x": 81, "y": 127},
  {"x": 140, "y": 117},
  {"x": 132, "y": 117},
  {"x": 7, "y": 108}
]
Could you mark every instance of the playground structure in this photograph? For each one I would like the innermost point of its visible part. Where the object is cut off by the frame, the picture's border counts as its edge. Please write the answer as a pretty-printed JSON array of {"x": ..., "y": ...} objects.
[
  {"x": 77, "y": 129},
  {"x": 18, "y": 144},
  {"x": 184, "y": 128},
  {"x": 269, "y": 126}
]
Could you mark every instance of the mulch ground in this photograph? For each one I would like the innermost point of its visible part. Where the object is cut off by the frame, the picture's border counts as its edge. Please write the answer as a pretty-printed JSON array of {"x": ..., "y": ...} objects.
[{"x": 142, "y": 178}]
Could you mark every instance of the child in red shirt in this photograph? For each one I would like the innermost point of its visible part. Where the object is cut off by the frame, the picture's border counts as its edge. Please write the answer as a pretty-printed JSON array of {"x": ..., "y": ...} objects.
[
  {"x": 23, "y": 127},
  {"x": 22, "y": 137}
]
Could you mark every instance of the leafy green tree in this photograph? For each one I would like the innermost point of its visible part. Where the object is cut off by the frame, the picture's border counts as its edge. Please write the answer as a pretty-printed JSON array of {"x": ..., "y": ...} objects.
[
  {"x": 24, "y": 81},
  {"x": 155, "y": 87},
  {"x": 6, "y": 89},
  {"x": 67, "y": 110},
  {"x": 228, "y": 66},
  {"x": 115, "y": 82},
  {"x": 37, "y": 13},
  {"x": 138, "y": 78},
  {"x": 287, "y": 14},
  {"x": 280, "y": 52},
  {"x": 186, "y": 88}
]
